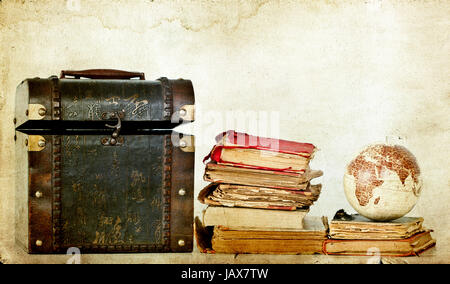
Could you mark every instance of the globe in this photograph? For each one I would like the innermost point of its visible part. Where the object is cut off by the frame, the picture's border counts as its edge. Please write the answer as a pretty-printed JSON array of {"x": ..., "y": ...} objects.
[{"x": 383, "y": 182}]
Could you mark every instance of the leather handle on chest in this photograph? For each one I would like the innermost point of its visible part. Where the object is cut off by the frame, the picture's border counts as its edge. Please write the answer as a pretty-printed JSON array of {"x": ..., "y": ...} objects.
[{"x": 102, "y": 74}]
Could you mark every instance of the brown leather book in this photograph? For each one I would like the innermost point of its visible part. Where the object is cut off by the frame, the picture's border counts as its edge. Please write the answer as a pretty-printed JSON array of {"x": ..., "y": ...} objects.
[
  {"x": 359, "y": 227},
  {"x": 402, "y": 247},
  {"x": 307, "y": 241},
  {"x": 99, "y": 167}
]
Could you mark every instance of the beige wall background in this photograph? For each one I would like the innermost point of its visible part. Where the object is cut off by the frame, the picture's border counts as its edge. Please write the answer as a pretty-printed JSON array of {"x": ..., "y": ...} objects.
[{"x": 339, "y": 74}]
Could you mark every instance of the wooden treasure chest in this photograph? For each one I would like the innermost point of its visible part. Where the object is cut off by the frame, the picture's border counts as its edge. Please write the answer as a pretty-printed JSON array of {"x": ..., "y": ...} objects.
[{"x": 99, "y": 167}]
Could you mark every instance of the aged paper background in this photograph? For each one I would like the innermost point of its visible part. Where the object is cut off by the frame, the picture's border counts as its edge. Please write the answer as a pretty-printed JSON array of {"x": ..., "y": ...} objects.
[{"x": 340, "y": 74}]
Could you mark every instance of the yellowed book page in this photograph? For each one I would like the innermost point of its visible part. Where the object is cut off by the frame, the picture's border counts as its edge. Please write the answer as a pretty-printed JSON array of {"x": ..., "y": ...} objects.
[
  {"x": 234, "y": 175},
  {"x": 364, "y": 247},
  {"x": 313, "y": 229},
  {"x": 385, "y": 247},
  {"x": 254, "y": 219},
  {"x": 265, "y": 159},
  {"x": 361, "y": 228},
  {"x": 252, "y": 246}
]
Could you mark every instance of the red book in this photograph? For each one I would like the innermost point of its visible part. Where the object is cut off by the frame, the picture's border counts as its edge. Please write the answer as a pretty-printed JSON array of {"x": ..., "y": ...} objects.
[{"x": 244, "y": 150}]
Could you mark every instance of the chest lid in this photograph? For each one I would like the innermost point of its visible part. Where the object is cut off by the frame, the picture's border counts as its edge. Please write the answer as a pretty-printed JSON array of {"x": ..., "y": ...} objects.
[{"x": 103, "y": 95}]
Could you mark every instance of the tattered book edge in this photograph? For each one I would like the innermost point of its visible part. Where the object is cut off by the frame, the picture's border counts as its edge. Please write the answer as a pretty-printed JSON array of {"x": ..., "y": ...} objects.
[{"x": 203, "y": 237}]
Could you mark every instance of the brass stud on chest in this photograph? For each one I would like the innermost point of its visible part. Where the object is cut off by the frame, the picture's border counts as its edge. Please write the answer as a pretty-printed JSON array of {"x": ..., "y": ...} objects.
[
  {"x": 35, "y": 143},
  {"x": 183, "y": 144},
  {"x": 41, "y": 143},
  {"x": 42, "y": 111}
]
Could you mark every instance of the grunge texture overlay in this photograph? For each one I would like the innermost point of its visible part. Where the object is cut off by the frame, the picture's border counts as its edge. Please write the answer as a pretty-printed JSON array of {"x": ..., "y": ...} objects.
[{"x": 340, "y": 74}]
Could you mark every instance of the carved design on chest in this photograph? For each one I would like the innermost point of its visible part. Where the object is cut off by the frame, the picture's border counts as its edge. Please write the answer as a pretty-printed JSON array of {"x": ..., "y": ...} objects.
[
  {"x": 56, "y": 99},
  {"x": 88, "y": 195},
  {"x": 167, "y": 178},
  {"x": 168, "y": 97},
  {"x": 94, "y": 110},
  {"x": 133, "y": 105},
  {"x": 72, "y": 110},
  {"x": 136, "y": 106},
  {"x": 56, "y": 185}
]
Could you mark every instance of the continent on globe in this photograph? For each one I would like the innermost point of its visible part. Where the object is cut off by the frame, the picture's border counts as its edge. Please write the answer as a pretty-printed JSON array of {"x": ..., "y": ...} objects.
[{"x": 383, "y": 182}]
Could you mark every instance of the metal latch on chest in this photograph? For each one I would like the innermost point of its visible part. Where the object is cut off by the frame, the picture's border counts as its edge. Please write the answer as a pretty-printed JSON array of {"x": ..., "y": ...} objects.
[{"x": 115, "y": 139}]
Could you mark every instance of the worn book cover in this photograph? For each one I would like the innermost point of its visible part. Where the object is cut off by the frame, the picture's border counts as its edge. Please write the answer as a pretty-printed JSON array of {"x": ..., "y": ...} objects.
[
  {"x": 244, "y": 150},
  {"x": 411, "y": 246},
  {"x": 307, "y": 241},
  {"x": 256, "y": 177},
  {"x": 359, "y": 227},
  {"x": 231, "y": 195}
]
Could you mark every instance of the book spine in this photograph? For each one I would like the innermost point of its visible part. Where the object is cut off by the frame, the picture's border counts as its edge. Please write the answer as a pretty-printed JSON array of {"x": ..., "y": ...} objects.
[
  {"x": 240, "y": 165},
  {"x": 256, "y": 142},
  {"x": 216, "y": 156}
]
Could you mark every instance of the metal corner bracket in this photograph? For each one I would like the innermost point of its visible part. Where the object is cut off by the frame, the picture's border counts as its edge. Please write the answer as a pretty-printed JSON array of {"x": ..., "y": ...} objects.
[
  {"x": 35, "y": 143},
  {"x": 187, "y": 113},
  {"x": 187, "y": 144},
  {"x": 36, "y": 112}
]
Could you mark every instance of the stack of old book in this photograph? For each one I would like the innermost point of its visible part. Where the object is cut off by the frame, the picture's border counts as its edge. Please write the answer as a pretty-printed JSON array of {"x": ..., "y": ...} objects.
[
  {"x": 259, "y": 196},
  {"x": 357, "y": 235}
]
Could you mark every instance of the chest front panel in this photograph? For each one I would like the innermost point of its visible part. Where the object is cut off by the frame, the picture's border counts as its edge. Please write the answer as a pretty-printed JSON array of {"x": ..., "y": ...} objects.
[{"x": 113, "y": 196}]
